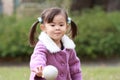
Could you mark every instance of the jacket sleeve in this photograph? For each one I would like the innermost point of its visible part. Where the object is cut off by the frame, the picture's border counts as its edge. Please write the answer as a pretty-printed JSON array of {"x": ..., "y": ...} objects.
[
  {"x": 38, "y": 78},
  {"x": 38, "y": 58},
  {"x": 75, "y": 66}
]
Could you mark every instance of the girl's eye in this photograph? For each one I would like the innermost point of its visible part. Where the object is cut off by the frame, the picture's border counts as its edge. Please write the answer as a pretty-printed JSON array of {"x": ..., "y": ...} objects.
[
  {"x": 61, "y": 25},
  {"x": 52, "y": 25}
]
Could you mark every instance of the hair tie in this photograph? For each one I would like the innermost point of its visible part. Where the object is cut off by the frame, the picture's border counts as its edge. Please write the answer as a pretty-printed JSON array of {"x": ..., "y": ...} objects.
[
  {"x": 40, "y": 19},
  {"x": 69, "y": 20}
]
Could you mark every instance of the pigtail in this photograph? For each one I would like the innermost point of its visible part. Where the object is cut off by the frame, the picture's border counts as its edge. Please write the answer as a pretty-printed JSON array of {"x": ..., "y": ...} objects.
[
  {"x": 32, "y": 34},
  {"x": 73, "y": 29}
]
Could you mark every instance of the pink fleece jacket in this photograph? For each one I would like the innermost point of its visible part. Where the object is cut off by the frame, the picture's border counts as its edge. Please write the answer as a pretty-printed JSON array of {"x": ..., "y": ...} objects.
[{"x": 47, "y": 52}]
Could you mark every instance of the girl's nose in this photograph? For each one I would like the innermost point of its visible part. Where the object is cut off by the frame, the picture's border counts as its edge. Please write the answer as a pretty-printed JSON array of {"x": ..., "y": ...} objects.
[{"x": 57, "y": 27}]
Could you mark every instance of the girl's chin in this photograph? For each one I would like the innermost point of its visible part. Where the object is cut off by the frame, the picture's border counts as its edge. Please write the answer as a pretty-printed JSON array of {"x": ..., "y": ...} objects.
[{"x": 56, "y": 38}]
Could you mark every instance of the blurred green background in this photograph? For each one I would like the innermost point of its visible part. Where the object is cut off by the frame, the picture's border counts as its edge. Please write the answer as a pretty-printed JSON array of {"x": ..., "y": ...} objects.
[
  {"x": 97, "y": 43},
  {"x": 98, "y": 25}
]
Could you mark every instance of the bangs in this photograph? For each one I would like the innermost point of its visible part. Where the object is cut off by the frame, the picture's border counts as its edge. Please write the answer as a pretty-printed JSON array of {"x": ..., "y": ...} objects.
[{"x": 50, "y": 16}]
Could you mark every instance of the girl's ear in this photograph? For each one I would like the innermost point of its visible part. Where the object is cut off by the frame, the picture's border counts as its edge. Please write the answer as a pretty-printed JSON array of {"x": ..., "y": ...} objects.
[{"x": 42, "y": 27}]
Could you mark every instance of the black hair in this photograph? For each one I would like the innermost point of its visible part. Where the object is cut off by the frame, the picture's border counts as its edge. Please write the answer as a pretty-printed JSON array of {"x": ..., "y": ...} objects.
[{"x": 48, "y": 16}]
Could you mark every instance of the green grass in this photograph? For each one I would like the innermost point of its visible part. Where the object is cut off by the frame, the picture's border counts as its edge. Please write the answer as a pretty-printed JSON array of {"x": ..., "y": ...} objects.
[
  {"x": 14, "y": 73},
  {"x": 88, "y": 73},
  {"x": 101, "y": 73}
]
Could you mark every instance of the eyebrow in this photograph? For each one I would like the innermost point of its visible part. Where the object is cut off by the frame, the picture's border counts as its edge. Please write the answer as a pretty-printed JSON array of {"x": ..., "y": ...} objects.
[{"x": 59, "y": 22}]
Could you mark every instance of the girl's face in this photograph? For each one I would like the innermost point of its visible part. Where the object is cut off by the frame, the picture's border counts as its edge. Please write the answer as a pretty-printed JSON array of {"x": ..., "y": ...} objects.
[{"x": 57, "y": 28}]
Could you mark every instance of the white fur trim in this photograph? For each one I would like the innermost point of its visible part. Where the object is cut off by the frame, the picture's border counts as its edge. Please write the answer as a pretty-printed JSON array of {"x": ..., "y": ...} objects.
[
  {"x": 67, "y": 42},
  {"x": 51, "y": 45}
]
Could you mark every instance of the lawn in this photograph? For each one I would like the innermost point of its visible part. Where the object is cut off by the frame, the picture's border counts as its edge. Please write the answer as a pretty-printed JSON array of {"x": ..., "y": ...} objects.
[
  {"x": 14, "y": 73},
  {"x": 89, "y": 73},
  {"x": 101, "y": 73}
]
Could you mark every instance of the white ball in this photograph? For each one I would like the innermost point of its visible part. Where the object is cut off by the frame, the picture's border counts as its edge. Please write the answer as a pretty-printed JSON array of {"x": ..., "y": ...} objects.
[{"x": 50, "y": 72}]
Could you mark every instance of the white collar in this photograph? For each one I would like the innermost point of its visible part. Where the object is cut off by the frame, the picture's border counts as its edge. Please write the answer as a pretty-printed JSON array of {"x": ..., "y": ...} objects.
[{"x": 51, "y": 45}]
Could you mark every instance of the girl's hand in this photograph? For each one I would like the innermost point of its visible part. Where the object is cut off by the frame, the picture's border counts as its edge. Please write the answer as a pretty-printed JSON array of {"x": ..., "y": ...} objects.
[{"x": 38, "y": 71}]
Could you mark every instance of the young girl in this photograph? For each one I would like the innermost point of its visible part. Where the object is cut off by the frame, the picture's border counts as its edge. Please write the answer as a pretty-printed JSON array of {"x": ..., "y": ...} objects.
[{"x": 54, "y": 47}]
